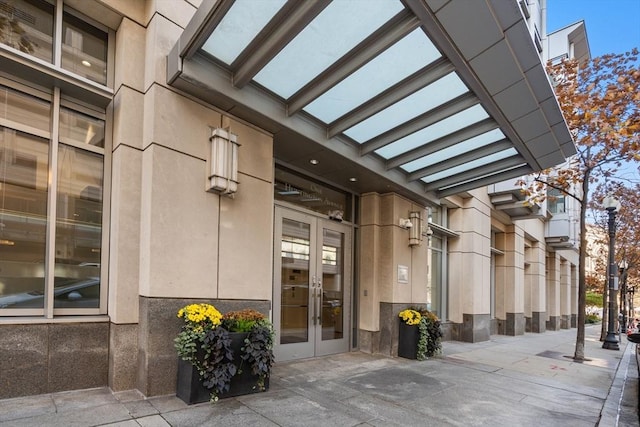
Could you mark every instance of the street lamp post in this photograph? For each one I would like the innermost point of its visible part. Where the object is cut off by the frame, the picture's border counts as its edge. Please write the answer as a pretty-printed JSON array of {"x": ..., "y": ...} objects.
[
  {"x": 632, "y": 312},
  {"x": 623, "y": 294},
  {"x": 611, "y": 342}
]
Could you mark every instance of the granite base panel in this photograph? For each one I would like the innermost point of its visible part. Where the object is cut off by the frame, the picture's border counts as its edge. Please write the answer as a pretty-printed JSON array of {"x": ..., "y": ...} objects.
[
  {"x": 553, "y": 324},
  {"x": 538, "y": 322},
  {"x": 388, "y": 336},
  {"x": 368, "y": 341},
  {"x": 515, "y": 324},
  {"x": 123, "y": 352},
  {"x": 49, "y": 358},
  {"x": 474, "y": 328},
  {"x": 565, "y": 321}
]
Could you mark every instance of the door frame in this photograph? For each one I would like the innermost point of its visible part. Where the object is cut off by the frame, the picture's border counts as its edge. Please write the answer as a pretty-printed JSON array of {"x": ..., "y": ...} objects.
[{"x": 314, "y": 346}]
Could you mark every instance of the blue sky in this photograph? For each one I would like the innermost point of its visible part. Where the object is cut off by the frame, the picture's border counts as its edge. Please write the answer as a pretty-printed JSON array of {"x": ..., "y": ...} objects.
[{"x": 613, "y": 26}]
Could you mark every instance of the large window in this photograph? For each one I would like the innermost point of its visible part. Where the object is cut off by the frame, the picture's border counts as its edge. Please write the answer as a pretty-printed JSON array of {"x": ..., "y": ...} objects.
[
  {"x": 437, "y": 262},
  {"x": 52, "y": 159},
  {"x": 51, "y": 204},
  {"x": 556, "y": 201},
  {"x": 434, "y": 287},
  {"x": 81, "y": 48}
]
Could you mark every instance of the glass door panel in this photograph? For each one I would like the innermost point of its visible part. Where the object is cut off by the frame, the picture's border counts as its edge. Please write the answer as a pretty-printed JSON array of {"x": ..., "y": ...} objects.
[
  {"x": 333, "y": 287},
  {"x": 311, "y": 285},
  {"x": 294, "y": 297},
  {"x": 293, "y": 283},
  {"x": 332, "y": 302}
]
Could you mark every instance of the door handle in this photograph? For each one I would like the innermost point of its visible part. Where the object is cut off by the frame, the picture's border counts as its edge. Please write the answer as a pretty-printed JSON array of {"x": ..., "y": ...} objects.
[
  {"x": 313, "y": 299},
  {"x": 319, "y": 301}
]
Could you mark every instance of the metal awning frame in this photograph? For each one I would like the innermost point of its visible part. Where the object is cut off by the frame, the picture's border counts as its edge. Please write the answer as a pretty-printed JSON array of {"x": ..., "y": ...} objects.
[{"x": 231, "y": 89}]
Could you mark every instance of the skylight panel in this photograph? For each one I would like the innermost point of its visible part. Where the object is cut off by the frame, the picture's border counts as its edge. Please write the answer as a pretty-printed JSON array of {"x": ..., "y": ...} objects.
[
  {"x": 455, "y": 150},
  {"x": 426, "y": 99},
  {"x": 334, "y": 32},
  {"x": 487, "y": 160},
  {"x": 444, "y": 127},
  {"x": 240, "y": 25},
  {"x": 402, "y": 59}
]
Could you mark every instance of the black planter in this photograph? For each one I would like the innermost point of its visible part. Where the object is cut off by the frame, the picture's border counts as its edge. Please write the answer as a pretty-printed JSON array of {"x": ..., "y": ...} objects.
[
  {"x": 408, "y": 337},
  {"x": 191, "y": 390}
]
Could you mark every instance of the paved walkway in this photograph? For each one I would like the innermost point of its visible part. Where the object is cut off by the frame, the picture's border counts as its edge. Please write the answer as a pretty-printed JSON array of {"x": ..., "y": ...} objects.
[{"x": 507, "y": 381}]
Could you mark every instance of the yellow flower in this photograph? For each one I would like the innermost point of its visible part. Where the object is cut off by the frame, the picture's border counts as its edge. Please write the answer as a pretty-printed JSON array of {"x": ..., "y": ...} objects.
[
  {"x": 410, "y": 317},
  {"x": 200, "y": 313}
]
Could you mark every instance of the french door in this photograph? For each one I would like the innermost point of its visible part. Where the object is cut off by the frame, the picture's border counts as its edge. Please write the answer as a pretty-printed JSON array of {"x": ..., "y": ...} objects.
[{"x": 312, "y": 285}]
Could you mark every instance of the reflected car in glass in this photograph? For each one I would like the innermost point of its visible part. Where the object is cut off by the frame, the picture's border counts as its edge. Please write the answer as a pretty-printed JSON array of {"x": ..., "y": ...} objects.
[{"x": 77, "y": 294}]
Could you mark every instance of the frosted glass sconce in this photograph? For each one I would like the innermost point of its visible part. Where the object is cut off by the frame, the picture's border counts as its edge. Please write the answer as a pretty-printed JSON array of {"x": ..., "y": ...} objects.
[
  {"x": 223, "y": 175},
  {"x": 414, "y": 225},
  {"x": 415, "y": 232}
]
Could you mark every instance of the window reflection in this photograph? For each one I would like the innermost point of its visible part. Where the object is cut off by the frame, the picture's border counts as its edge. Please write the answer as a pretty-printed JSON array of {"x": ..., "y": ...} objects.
[
  {"x": 23, "y": 210},
  {"x": 80, "y": 128},
  {"x": 27, "y": 25},
  {"x": 24, "y": 109},
  {"x": 434, "y": 277},
  {"x": 78, "y": 227},
  {"x": 84, "y": 49},
  {"x": 295, "y": 282},
  {"x": 555, "y": 201},
  {"x": 332, "y": 285}
]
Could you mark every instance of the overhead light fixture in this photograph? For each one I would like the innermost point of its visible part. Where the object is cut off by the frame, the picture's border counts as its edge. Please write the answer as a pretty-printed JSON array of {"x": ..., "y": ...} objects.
[
  {"x": 353, "y": 179},
  {"x": 86, "y": 63},
  {"x": 6, "y": 242},
  {"x": 314, "y": 161},
  {"x": 223, "y": 172}
]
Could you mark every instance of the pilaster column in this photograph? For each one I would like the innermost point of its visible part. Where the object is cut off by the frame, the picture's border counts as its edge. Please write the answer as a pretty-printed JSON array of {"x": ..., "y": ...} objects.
[
  {"x": 565, "y": 294},
  {"x": 469, "y": 272},
  {"x": 574, "y": 296},
  {"x": 553, "y": 291},
  {"x": 513, "y": 281},
  {"x": 536, "y": 284},
  {"x": 393, "y": 274}
]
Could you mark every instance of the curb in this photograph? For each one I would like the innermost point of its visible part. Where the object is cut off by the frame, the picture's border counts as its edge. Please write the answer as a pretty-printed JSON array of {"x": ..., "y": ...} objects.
[{"x": 613, "y": 406}]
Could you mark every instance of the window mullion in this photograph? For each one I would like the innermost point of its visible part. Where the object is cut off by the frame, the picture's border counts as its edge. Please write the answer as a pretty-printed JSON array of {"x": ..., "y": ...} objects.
[
  {"x": 50, "y": 252},
  {"x": 57, "y": 34}
]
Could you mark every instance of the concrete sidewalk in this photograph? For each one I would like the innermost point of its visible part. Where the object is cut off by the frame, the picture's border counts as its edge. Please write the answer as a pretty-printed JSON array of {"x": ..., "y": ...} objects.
[{"x": 507, "y": 381}]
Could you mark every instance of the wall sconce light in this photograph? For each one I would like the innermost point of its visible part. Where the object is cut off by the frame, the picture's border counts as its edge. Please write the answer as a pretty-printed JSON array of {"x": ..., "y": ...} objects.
[
  {"x": 415, "y": 232},
  {"x": 223, "y": 174},
  {"x": 414, "y": 225}
]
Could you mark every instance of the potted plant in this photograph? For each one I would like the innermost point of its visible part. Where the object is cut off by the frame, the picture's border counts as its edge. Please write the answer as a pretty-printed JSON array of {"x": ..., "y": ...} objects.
[
  {"x": 419, "y": 334},
  {"x": 222, "y": 355}
]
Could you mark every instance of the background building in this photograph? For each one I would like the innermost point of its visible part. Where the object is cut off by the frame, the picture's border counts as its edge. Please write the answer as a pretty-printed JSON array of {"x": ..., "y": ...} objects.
[{"x": 327, "y": 163}]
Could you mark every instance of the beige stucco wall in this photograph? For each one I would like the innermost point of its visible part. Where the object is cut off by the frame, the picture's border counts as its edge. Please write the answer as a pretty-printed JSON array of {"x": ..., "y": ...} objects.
[
  {"x": 384, "y": 247},
  {"x": 535, "y": 281},
  {"x": 510, "y": 280},
  {"x": 126, "y": 172},
  {"x": 553, "y": 284},
  {"x": 469, "y": 287},
  {"x": 166, "y": 230}
]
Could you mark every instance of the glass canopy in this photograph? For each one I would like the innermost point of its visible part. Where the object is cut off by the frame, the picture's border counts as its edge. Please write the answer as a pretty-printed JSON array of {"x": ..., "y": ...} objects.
[{"x": 382, "y": 77}]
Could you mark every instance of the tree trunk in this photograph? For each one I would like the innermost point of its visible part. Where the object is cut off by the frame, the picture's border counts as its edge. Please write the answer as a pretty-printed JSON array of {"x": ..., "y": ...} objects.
[{"x": 582, "y": 285}]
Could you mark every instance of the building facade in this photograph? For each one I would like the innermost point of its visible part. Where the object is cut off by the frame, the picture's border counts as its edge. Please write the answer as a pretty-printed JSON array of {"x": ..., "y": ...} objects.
[{"x": 326, "y": 163}]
